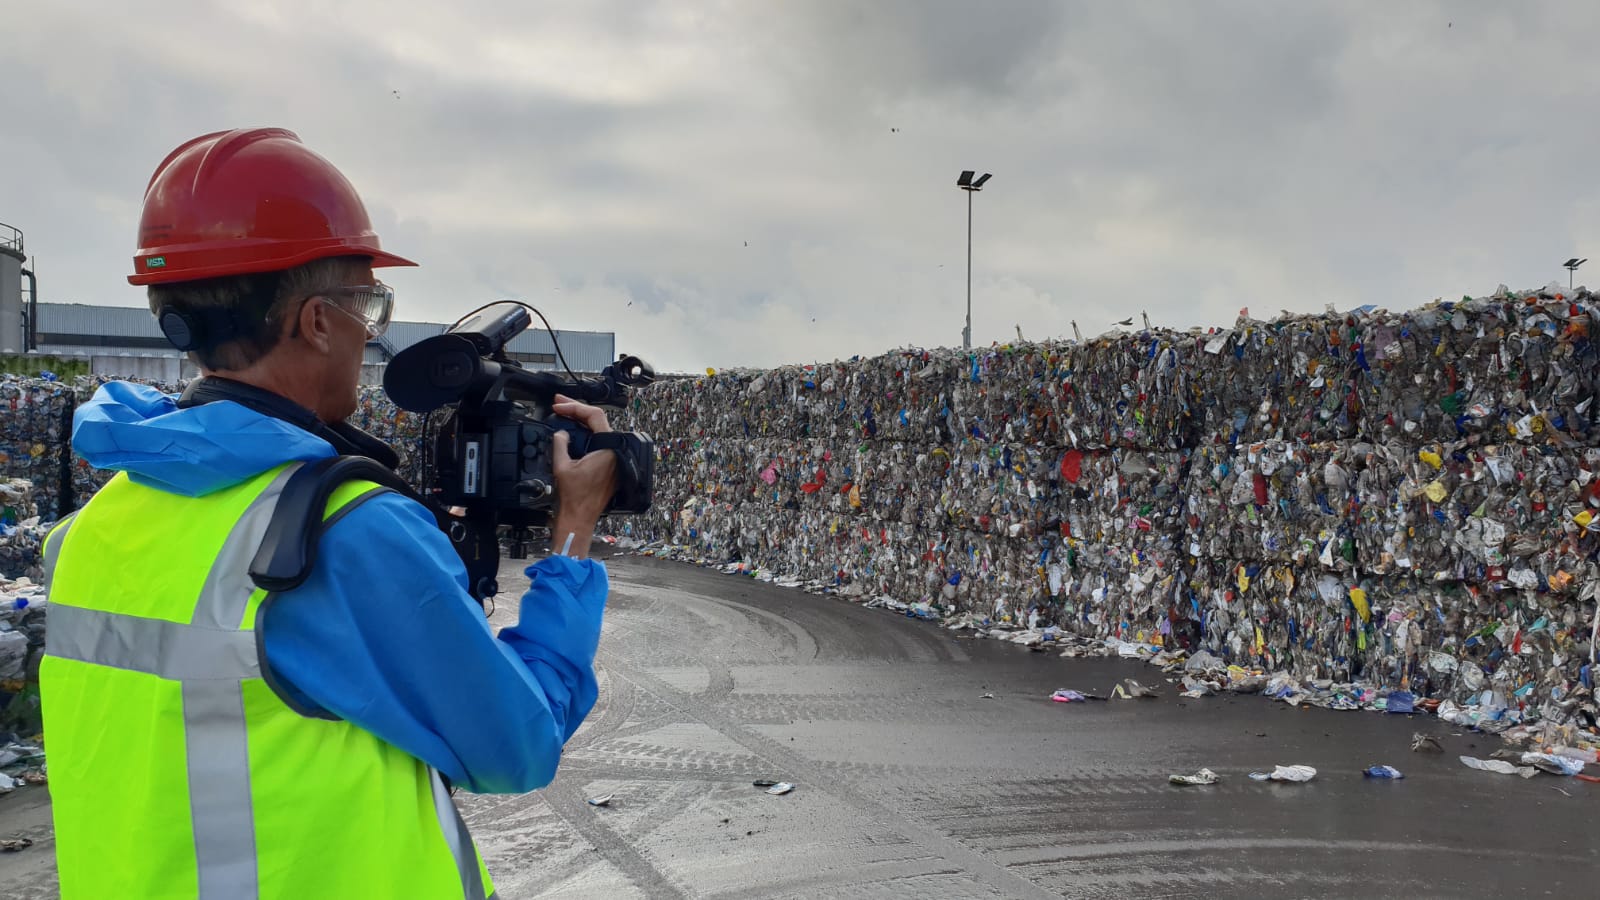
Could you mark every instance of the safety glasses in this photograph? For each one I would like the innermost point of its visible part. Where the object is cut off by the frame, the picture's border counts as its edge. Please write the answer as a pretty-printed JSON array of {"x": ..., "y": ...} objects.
[{"x": 369, "y": 304}]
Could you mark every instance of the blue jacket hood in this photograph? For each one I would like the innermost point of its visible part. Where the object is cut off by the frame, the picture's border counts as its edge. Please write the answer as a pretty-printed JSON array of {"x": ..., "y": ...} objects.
[{"x": 137, "y": 429}]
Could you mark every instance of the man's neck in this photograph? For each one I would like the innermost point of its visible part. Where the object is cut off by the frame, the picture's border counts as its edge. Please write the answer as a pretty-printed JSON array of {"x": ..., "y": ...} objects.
[{"x": 270, "y": 380}]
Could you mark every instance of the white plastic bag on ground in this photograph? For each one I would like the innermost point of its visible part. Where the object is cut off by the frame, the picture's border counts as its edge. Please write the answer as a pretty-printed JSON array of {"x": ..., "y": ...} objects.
[
  {"x": 1500, "y": 766},
  {"x": 1287, "y": 773},
  {"x": 1553, "y": 763}
]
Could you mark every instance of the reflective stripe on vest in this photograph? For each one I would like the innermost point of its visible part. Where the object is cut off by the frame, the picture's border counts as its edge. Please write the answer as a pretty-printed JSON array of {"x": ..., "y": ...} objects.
[
  {"x": 52, "y": 546},
  {"x": 457, "y": 836},
  {"x": 211, "y": 657}
]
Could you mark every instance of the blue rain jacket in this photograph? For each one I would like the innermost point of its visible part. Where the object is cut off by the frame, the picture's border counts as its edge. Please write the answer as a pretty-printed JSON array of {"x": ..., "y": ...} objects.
[{"x": 384, "y": 633}]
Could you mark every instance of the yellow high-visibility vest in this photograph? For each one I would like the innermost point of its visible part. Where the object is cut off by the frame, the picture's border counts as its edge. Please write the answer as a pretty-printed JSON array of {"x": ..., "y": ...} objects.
[{"x": 176, "y": 769}]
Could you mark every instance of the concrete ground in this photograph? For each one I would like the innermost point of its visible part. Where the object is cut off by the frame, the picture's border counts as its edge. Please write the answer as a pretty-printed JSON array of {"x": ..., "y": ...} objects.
[{"x": 909, "y": 784}]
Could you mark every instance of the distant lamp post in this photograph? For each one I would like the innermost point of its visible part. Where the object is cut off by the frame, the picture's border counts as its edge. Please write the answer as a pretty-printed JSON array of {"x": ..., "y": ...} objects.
[
  {"x": 1571, "y": 266},
  {"x": 966, "y": 183}
]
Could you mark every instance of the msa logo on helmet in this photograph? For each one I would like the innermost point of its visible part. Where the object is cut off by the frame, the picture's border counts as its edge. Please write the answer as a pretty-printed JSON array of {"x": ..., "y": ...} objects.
[{"x": 155, "y": 262}]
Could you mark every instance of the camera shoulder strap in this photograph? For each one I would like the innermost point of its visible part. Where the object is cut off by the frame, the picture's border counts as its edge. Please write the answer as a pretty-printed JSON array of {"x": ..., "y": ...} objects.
[{"x": 288, "y": 550}]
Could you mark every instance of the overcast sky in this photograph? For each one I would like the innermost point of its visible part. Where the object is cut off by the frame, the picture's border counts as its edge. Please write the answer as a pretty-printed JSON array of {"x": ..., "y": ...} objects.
[{"x": 762, "y": 183}]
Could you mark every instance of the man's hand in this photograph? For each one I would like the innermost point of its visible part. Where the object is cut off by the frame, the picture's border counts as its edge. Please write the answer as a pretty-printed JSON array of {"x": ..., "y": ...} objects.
[{"x": 583, "y": 486}]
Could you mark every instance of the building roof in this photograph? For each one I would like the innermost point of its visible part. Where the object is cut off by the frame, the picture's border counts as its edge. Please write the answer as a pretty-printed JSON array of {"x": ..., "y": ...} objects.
[{"x": 111, "y": 321}]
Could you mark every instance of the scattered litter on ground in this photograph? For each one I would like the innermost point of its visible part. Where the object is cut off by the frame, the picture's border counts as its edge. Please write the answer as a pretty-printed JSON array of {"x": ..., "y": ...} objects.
[
  {"x": 15, "y": 844},
  {"x": 1400, "y": 702},
  {"x": 1382, "y": 772},
  {"x": 604, "y": 800},
  {"x": 1066, "y": 696},
  {"x": 781, "y": 788},
  {"x": 1130, "y": 689},
  {"x": 1286, "y": 773},
  {"x": 1500, "y": 766},
  {"x": 1555, "y": 765},
  {"x": 1425, "y": 743},
  {"x": 1202, "y": 777}
]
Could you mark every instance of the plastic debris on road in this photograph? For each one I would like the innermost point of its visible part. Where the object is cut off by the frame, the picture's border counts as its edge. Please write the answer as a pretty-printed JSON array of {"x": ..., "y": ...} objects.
[
  {"x": 603, "y": 800},
  {"x": 1425, "y": 743},
  {"x": 21, "y": 763},
  {"x": 1382, "y": 772},
  {"x": 1066, "y": 696},
  {"x": 1399, "y": 702},
  {"x": 1286, "y": 773},
  {"x": 1130, "y": 689},
  {"x": 1202, "y": 777},
  {"x": 1500, "y": 766},
  {"x": 781, "y": 788},
  {"x": 1555, "y": 765}
]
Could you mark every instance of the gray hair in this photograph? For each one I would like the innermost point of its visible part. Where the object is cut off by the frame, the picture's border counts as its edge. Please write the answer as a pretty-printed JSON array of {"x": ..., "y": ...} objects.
[{"x": 261, "y": 302}]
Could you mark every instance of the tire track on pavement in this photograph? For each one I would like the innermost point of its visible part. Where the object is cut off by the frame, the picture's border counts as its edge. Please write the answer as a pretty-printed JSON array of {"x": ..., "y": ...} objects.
[
  {"x": 975, "y": 864},
  {"x": 618, "y": 849}
]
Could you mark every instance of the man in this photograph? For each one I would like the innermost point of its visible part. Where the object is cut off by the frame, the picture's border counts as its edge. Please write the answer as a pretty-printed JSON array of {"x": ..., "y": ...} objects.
[{"x": 210, "y": 740}]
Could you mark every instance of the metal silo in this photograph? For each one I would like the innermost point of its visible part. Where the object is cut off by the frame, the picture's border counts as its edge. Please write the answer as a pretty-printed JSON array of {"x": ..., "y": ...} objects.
[{"x": 13, "y": 336}]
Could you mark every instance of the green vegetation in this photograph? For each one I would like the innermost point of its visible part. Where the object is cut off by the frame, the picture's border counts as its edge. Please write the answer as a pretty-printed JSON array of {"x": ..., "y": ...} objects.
[{"x": 64, "y": 367}]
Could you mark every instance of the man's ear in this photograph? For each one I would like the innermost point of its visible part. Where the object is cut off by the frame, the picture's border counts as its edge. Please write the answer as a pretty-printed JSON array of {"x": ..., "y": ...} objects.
[{"x": 315, "y": 326}]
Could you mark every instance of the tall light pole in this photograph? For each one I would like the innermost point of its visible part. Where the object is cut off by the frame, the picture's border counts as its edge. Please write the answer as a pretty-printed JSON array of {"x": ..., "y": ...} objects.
[
  {"x": 1571, "y": 266},
  {"x": 966, "y": 183}
]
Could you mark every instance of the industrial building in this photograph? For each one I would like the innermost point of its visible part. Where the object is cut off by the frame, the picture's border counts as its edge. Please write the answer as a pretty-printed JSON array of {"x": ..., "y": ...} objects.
[{"x": 126, "y": 342}]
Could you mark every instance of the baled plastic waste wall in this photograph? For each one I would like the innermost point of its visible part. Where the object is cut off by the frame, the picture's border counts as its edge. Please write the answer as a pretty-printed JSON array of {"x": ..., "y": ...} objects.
[{"x": 1398, "y": 498}]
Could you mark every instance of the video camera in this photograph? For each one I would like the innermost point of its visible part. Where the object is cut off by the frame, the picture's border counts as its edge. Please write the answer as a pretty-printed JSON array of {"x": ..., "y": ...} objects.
[{"x": 492, "y": 453}]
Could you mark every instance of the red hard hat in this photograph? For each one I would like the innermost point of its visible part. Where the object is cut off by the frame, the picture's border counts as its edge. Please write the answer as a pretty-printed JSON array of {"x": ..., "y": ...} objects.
[{"x": 246, "y": 201}]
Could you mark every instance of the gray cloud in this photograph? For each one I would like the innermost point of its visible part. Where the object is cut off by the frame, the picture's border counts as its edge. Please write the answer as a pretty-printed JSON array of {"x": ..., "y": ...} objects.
[
  {"x": 707, "y": 179},
  {"x": 879, "y": 54}
]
